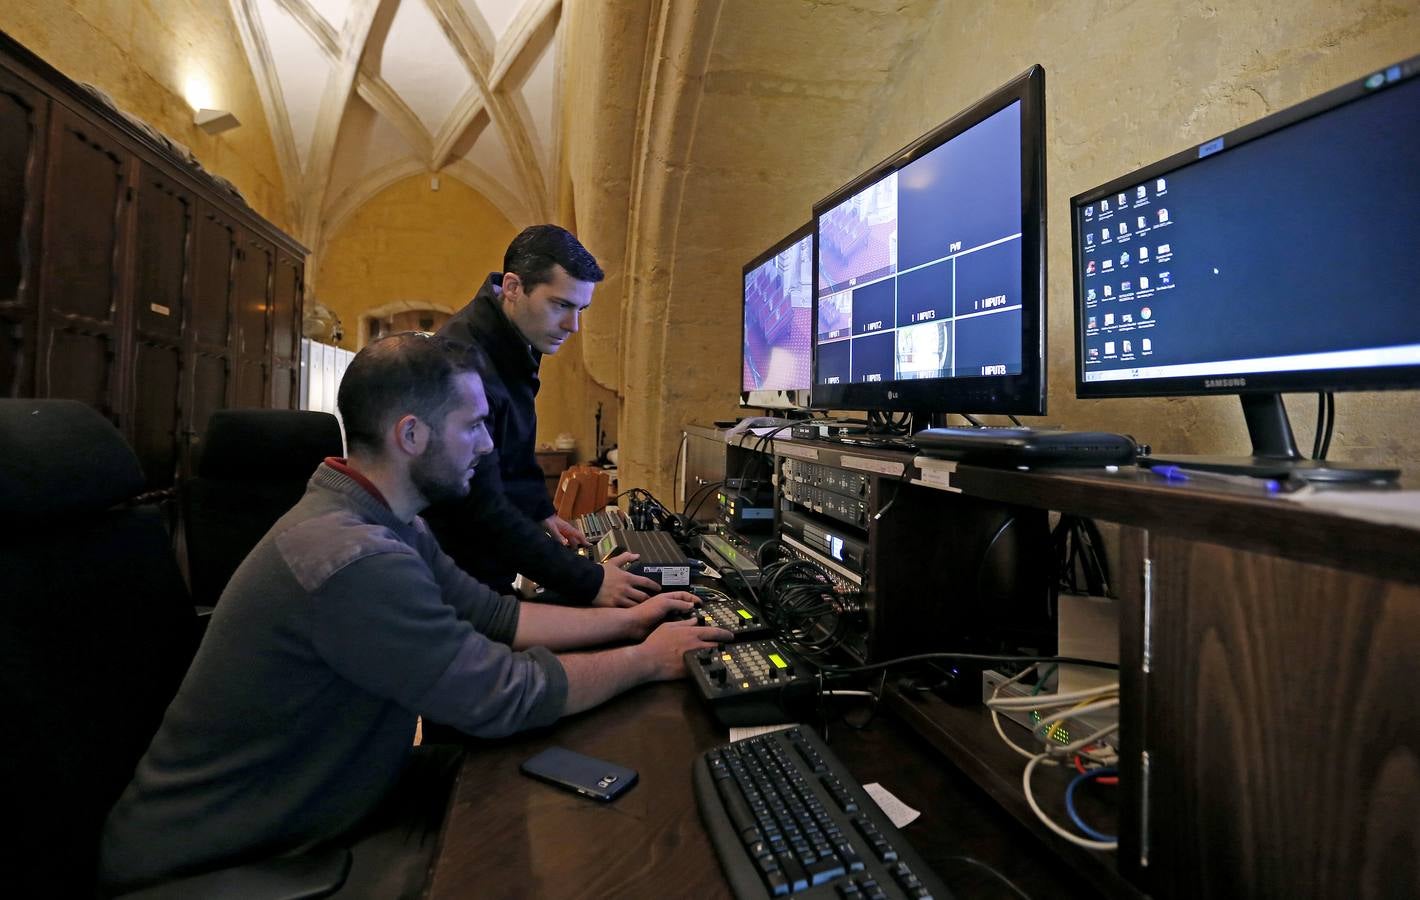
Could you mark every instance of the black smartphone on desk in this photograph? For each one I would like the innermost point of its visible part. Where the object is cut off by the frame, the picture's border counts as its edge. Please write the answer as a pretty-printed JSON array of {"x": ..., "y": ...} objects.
[{"x": 586, "y": 775}]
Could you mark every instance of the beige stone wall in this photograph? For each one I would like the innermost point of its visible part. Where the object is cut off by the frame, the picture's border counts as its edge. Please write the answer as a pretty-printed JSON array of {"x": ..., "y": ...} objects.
[
  {"x": 749, "y": 112},
  {"x": 411, "y": 244},
  {"x": 1130, "y": 83},
  {"x": 145, "y": 54}
]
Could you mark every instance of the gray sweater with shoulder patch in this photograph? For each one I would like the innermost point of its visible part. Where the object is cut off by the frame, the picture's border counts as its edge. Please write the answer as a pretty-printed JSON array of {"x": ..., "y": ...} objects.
[{"x": 298, "y": 713}]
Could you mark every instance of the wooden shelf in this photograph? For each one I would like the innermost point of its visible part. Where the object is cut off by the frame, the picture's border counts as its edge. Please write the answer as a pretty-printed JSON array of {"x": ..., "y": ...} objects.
[{"x": 966, "y": 737}]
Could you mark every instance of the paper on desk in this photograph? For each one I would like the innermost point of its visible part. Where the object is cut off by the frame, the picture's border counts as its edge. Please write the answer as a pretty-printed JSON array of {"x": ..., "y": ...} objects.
[
  {"x": 749, "y": 731},
  {"x": 1385, "y": 507},
  {"x": 900, "y": 813}
]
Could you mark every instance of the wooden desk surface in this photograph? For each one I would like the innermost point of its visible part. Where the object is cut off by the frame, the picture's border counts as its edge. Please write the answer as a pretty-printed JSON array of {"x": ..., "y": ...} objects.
[{"x": 507, "y": 835}]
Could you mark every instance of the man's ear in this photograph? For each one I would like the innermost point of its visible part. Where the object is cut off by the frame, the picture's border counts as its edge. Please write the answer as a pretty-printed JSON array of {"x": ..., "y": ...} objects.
[
  {"x": 410, "y": 434},
  {"x": 512, "y": 285}
]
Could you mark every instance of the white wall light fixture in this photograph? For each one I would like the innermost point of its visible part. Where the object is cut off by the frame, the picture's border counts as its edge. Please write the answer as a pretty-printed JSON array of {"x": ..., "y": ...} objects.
[{"x": 215, "y": 121}]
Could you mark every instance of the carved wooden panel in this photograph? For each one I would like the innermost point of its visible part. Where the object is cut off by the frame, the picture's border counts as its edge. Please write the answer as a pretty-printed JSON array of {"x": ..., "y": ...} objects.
[
  {"x": 85, "y": 202},
  {"x": 210, "y": 380},
  {"x": 253, "y": 384},
  {"x": 213, "y": 278},
  {"x": 23, "y": 115},
  {"x": 283, "y": 386},
  {"x": 1264, "y": 673},
  {"x": 255, "y": 265},
  {"x": 157, "y": 410},
  {"x": 78, "y": 363},
  {"x": 162, "y": 254},
  {"x": 286, "y": 308},
  {"x": 17, "y": 353}
]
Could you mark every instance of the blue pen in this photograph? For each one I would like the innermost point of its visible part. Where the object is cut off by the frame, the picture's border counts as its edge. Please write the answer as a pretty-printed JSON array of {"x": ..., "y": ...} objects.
[{"x": 1178, "y": 473}]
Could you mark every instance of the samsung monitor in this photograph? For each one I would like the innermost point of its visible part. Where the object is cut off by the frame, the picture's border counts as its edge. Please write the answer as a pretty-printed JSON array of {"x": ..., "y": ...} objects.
[
  {"x": 776, "y": 325},
  {"x": 930, "y": 268},
  {"x": 1283, "y": 256}
]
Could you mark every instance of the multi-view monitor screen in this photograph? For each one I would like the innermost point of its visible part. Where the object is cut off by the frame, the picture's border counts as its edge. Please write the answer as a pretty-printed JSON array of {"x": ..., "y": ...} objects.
[
  {"x": 777, "y": 354},
  {"x": 930, "y": 271},
  {"x": 1282, "y": 256}
]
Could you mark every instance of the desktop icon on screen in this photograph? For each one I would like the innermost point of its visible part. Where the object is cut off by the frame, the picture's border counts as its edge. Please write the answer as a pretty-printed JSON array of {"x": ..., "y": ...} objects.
[
  {"x": 1128, "y": 347},
  {"x": 1165, "y": 278},
  {"x": 1143, "y": 282},
  {"x": 1147, "y": 345},
  {"x": 1090, "y": 239},
  {"x": 1143, "y": 254},
  {"x": 1141, "y": 192},
  {"x": 1123, "y": 200},
  {"x": 1090, "y": 294},
  {"x": 1159, "y": 186},
  {"x": 1163, "y": 216},
  {"x": 1108, "y": 319},
  {"x": 1146, "y": 313},
  {"x": 1090, "y": 212},
  {"x": 1109, "y": 348},
  {"x": 1090, "y": 267},
  {"x": 1108, "y": 291},
  {"x": 1104, "y": 206},
  {"x": 1143, "y": 223}
]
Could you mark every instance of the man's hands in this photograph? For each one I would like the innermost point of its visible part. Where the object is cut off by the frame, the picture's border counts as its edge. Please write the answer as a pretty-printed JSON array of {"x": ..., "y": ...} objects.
[
  {"x": 665, "y": 649},
  {"x": 564, "y": 532},
  {"x": 660, "y": 608},
  {"x": 623, "y": 588}
]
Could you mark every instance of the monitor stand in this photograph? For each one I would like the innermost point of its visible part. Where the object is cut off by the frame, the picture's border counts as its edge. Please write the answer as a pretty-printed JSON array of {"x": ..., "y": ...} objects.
[{"x": 1274, "y": 452}]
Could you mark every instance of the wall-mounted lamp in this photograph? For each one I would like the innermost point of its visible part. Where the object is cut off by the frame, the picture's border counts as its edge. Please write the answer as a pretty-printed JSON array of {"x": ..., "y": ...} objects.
[{"x": 215, "y": 121}]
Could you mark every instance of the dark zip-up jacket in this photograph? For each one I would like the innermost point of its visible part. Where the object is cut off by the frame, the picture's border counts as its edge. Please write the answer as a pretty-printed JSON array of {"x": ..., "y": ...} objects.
[{"x": 495, "y": 532}]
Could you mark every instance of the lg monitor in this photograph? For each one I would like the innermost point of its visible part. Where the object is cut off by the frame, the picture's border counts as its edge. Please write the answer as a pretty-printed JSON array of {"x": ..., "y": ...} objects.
[
  {"x": 930, "y": 268},
  {"x": 777, "y": 321},
  {"x": 1283, "y": 256}
]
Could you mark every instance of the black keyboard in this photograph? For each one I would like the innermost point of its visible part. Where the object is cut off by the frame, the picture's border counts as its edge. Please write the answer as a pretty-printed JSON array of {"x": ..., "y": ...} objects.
[{"x": 786, "y": 817}]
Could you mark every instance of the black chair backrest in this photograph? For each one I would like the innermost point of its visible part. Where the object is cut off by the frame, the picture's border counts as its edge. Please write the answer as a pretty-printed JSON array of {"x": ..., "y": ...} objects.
[
  {"x": 96, "y": 632},
  {"x": 254, "y": 467}
]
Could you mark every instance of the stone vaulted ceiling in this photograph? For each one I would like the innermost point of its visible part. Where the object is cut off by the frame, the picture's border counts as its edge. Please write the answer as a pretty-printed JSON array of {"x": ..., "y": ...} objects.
[{"x": 360, "y": 94}]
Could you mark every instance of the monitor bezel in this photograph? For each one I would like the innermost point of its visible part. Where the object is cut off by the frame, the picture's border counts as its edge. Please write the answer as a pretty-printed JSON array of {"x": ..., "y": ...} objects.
[
  {"x": 1349, "y": 379},
  {"x": 776, "y": 398},
  {"x": 1023, "y": 393}
]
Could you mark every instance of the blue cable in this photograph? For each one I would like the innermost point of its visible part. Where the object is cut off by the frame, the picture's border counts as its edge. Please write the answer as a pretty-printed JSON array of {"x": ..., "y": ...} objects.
[{"x": 1070, "y": 802}]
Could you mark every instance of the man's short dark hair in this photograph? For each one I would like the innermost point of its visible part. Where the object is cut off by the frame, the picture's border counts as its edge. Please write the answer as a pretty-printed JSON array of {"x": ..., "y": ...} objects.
[
  {"x": 409, "y": 373},
  {"x": 534, "y": 252}
]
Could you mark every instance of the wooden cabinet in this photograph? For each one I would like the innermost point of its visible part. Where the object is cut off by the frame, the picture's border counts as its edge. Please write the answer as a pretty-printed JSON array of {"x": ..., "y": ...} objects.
[
  {"x": 129, "y": 278},
  {"x": 24, "y": 119},
  {"x": 1269, "y": 735}
]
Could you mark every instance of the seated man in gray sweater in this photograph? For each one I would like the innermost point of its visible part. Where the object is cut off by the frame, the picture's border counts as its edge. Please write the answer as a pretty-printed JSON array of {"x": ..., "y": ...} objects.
[{"x": 346, "y": 622}]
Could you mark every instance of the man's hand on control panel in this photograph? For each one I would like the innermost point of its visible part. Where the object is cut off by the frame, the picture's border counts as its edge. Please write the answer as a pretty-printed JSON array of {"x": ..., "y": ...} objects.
[
  {"x": 623, "y": 588},
  {"x": 564, "y": 532}
]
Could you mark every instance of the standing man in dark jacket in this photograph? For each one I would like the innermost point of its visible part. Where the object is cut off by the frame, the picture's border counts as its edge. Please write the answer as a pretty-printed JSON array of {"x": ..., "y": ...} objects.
[{"x": 527, "y": 310}]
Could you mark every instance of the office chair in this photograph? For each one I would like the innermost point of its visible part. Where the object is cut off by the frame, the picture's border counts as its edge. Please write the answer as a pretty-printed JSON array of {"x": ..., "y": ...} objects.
[
  {"x": 253, "y": 467},
  {"x": 96, "y": 632}
]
